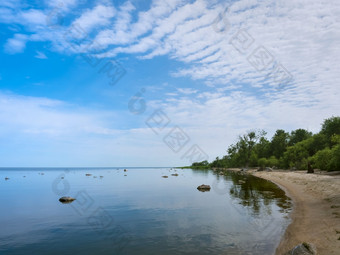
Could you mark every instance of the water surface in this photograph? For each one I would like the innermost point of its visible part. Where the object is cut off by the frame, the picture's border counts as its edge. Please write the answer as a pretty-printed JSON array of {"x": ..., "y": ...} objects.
[{"x": 138, "y": 212}]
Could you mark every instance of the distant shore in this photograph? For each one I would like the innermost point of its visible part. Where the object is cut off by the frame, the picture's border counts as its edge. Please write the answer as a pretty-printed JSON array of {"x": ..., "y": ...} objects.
[{"x": 316, "y": 213}]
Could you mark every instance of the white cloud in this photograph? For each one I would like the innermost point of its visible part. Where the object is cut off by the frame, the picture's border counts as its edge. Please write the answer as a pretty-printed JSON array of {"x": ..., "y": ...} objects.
[
  {"x": 16, "y": 44},
  {"x": 302, "y": 36},
  {"x": 98, "y": 16},
  {"x": 33, "y": 17},
  {"x": 187, "y": 91},
  {"x": 40, "y": 55},
  {"x": 62, "y": 5}
]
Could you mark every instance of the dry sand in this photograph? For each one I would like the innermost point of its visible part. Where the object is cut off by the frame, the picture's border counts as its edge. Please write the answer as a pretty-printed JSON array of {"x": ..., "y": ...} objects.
[{"x": 316, "y": 213}]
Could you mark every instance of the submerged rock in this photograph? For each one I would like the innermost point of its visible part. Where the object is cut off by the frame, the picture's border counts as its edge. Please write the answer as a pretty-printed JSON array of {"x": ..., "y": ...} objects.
[
  {"x": 88, "y": 174},
  {"x": 174, "y": 174},
  {"x": 164, "y": 176},
  {"x": 6, "y": 178},
  {"x": 204, "y": 187},
  {"x": 66, "y": 199},
  {"x": 303, "y": 249}
]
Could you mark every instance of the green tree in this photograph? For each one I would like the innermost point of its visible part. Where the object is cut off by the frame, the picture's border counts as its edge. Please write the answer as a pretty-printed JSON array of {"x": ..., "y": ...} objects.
[
  {"x": 297, "y": 155},
  {"x": 298, "y": 135},
  {"x": 245, "y": 147},
  {"x": 330, "y": 127},
  {"x": 279, "y": 143},
  {"x": 262, "y": 148}
]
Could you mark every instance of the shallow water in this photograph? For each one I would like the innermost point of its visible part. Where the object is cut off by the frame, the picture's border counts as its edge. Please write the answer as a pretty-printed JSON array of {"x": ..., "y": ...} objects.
[{"x": 138, "y": 212}]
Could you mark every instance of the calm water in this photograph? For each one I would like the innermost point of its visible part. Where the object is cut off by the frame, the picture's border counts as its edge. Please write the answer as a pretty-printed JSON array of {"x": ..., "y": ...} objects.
[{"x": 138, "y": 212}]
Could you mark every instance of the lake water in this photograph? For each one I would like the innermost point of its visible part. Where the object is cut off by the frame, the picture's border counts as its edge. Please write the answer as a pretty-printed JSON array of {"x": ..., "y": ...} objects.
[{"x": 138, "y": 212}]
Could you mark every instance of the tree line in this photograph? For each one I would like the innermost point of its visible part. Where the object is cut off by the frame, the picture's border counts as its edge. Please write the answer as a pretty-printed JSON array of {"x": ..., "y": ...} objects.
[{"x": 294, "y": 150}]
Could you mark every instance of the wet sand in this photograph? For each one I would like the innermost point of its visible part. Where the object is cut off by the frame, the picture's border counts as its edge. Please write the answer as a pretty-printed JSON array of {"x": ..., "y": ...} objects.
[{"x": 316, "y": 213}]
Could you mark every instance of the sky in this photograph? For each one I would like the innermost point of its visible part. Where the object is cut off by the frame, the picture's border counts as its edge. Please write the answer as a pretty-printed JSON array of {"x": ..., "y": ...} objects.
[{"x": 160, "y": 83}]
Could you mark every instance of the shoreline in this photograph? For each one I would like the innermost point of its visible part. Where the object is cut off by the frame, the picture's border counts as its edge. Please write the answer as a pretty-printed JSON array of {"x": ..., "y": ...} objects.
[{"x": 315, "y": 217}]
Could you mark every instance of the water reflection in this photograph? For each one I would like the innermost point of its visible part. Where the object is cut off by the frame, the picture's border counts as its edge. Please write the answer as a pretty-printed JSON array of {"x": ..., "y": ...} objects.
[{"x": 141, "y": 213}]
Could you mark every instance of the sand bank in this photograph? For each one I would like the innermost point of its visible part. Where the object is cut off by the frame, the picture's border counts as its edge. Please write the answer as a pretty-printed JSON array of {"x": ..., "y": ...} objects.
[{"x": 316, "y": 213}]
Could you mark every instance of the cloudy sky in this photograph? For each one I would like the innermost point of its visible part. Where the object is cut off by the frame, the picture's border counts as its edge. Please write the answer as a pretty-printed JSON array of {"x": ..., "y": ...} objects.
[{"x": 160, "y": 83}]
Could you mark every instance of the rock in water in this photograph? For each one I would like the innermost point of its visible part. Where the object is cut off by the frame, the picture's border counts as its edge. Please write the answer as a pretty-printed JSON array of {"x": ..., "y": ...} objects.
[
  {"x": 164, "y": 176},
  {"x": 6, "y": 178},
  {"x": 66, "y": 199},
  {"x": 303, "y": 249},
  {"x": 125, "y": 170},
  {"x": 88, "y": 174},
  {"x": 203, "y": 187},
  {"x": 174, "y": 174}
]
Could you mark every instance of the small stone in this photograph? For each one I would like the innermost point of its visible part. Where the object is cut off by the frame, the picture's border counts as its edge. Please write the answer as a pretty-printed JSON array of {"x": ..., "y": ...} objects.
[
  {"x": 204, "y": 188},
  {"x": 66, "y": 199}
]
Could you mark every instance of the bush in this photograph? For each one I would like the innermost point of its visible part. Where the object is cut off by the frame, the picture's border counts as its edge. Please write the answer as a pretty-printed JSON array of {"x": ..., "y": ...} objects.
[
  {"x": 334, "y": 164},
  {"x": 273, "y": 161},
  {"x": 262, "y": 162},
  {"x": 322, "y": 159}
]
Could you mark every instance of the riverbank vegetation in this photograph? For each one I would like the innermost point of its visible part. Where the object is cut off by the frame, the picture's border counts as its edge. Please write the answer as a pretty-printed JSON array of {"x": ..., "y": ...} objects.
[{"x": 287, "y": 150}]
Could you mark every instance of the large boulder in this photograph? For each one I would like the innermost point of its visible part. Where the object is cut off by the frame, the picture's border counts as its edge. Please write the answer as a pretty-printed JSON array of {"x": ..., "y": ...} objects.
[
  {"x": 204, "y": 187},
  {"x": 303, "y": 249}
]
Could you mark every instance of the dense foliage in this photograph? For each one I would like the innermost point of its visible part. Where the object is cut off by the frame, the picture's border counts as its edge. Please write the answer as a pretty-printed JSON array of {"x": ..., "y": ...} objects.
[{"x": 284, "y": 150}]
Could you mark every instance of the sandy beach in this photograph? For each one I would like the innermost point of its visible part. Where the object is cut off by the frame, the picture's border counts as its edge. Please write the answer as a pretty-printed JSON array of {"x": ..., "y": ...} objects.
[{"x": 316, "y": 213}]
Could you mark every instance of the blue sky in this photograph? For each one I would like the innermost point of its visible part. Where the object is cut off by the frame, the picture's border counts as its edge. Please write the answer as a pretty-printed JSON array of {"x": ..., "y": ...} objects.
[{"x": 160, "y": 83}]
